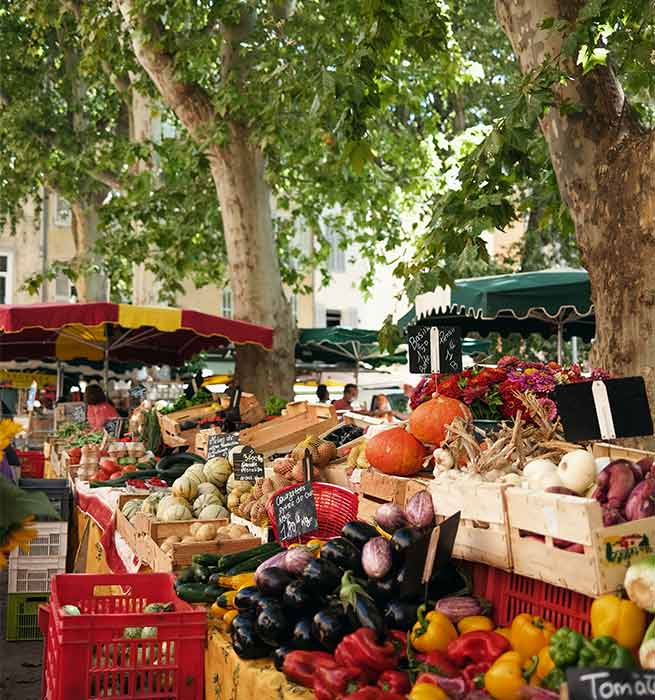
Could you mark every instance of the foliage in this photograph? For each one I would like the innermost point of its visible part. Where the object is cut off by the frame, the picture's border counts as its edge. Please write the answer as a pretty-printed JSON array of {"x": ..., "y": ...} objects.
[{"x": 274, "y": 406}]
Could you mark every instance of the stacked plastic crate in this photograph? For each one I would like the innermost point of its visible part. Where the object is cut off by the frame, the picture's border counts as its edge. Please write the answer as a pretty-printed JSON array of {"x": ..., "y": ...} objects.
[{"x": 30, "y": 572}]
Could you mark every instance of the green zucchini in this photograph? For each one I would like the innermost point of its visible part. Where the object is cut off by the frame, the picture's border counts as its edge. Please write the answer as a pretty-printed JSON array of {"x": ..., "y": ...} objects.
[
  {"x": 194, "y": 593},
  {"x": 175, "y": 461},
  {"x": 228, "y": 561},
  {"x": 214, "y": 592},
  {"x": 248, "y": 565},
  {"x": 200, "y": 573},
  {"x": 186, "y": 576},
  {"x": 205, "y": 559}
]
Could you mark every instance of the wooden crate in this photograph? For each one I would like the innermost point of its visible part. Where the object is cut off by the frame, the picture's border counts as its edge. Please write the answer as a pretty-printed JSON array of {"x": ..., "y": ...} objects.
[
  {"x": 608, "y": 551},
  {"x": 483, "y": 534},
  {"x": 250, "y": 409},
  {"x": 284, "y": 433},
  {"x": 124, "y": 527},
  {"x": 375, "y": 489},
  {"x": 150, "y": 551},
  {"x": 604, "y": 449},
  {"x": 172, "y": 434},
  {"x": 202, "y": 438},
  {"x": 263, "y": 534},
  {"x": 158, "y": 530}
]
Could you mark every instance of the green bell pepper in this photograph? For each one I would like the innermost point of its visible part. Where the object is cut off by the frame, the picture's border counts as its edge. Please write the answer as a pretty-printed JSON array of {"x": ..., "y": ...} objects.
[
  {"x": 606, "y": 653},
  {"x": 554, "y": 680},
  {"x": 565, "y": 646}
]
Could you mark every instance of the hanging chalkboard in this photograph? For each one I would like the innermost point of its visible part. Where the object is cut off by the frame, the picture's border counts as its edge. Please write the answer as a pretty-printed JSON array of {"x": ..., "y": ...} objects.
[
  {"x": 114, "y": 427},
  {"x": 248, "y": 465},
  {"x": 219, "y": 445},
  {"x": 610, "y": 684},
  {"x": 77, "y": 413},
  {"x": 603, "y": 410},
  {"x": 295, "y": 512},
  {"x": 436, "y": 349},
  {"x": 138, "y": 392}
]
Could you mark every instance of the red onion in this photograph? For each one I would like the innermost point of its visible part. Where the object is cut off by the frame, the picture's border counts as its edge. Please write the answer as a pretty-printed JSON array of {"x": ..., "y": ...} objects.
[
  {"x": 376, "y": 557},
  {"x": 457, "y": 607},
  {"x": 390, "y": 517},
  {"x": 419, "y": 510},
  {"x": 641, "y": 501}
]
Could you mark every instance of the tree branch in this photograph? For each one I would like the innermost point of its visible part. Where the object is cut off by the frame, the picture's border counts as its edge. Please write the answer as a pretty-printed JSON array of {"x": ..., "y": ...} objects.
[
  {"x": 108, "y": 179},
  {"x": 189, "y": 101}
]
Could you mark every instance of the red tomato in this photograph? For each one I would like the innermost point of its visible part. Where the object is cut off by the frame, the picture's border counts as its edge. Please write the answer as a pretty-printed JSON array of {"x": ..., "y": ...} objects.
[
  {"x": 101, "y": 476},
  {"x": 110, "y": 466},
  {"x": 75, "y": 452}
]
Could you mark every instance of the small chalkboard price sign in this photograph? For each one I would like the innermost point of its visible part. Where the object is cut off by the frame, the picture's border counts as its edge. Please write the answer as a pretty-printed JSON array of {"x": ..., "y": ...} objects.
[
  {"x": 138, "y": 392},
  {"x": 114, "y": 427},
  {"x": 604, "y": 410},
  {"x": 295, "y": 512},
  {"x": 610, "y": 684},
  {"x": 219, "y": 445},
  {"x": 248, "y": 465},
  {"x": 434, "y": 349}
]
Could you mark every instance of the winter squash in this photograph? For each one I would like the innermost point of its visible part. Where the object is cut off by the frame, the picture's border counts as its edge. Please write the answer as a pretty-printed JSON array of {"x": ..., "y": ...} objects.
[
  {"x": 395, "y": 451},
  {"x": 176, "y": 512},
  {"x": 429, "y": 420},
  {"x": 217, "y": 471},
  {"x": 213, "y": 512},
  {"x": 186, "y": 488},
  {"x": 206, "y": 487},
  {"x": 205, "y": 500}
]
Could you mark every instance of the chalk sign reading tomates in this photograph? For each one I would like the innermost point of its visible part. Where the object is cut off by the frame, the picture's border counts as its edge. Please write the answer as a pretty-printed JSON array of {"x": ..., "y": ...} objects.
[
  {"x": 295, "y": 512},
  {"x": 610, "y": 684}
]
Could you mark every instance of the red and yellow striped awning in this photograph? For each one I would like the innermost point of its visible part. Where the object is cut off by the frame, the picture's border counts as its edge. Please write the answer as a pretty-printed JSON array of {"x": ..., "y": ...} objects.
[{"x": 119, "y": 332}]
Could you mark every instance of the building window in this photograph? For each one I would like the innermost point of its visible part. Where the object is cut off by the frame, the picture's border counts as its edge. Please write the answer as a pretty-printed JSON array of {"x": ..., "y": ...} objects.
[
  {"x": 332, "y": 318},
  {"x": 62, "y": 288},
  {"x": 62, "y": 212},
  {"x": 5, "y": 278},
  {"x": 226, "y": 303},
  {"x": 337, "y": 258}
]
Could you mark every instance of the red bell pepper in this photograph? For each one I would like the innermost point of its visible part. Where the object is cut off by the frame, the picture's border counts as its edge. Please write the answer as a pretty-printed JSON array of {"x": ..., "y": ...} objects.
[
  {"x": 476, "y": 647},
  {"x": 361, "y": 650},
  {"x": 437, "y": 662},
  {"x": 334, "y": 683},
  {"x": 302, "y": 666},
  {"x": 371, "y": 692},
  {"x": 474, "y": 674},
  {"x": 395, "y": 682}
]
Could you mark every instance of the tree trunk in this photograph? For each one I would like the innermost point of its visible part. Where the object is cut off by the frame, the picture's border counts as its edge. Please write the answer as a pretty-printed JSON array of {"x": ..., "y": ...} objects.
[
  {"x": 90, "y": 285},
  {"x": 604, "y": 167},
  {"x": 258, "y": 296}
]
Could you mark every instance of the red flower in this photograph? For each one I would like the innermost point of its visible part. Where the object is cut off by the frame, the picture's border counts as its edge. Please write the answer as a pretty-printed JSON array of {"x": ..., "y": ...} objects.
[
  {"x": 450, "y": 387},
  {"x": 508, "y": 361},
  {"x": 492, "y": 375}
]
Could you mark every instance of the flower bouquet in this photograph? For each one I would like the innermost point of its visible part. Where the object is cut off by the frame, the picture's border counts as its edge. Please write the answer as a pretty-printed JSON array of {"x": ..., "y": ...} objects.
[{"x": 491, "y": 392}]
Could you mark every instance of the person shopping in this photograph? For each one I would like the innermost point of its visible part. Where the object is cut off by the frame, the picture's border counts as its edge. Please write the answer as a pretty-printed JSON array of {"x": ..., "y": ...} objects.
[{"x": 98, "y": 408}]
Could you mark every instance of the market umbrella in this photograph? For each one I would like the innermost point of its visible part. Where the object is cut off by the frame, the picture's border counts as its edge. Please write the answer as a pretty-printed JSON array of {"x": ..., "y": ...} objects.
[
  {"x": 548, "y": 302},
  {"x": 108, "y": 332}
]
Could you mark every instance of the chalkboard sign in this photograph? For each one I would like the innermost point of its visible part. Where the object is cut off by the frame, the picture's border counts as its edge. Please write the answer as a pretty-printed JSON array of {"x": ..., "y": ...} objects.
[
  {"x": 295, "y": 512},
  {"x": 138, "y": 392},
  {"x": 437, "y": 349},
  {"x": 72, "y": 412},
  {"x": 219, "y": 445},
  {"x": 114, "y": 427},
  {"x": 248, "y": 465},
  {"x": 610, "y": 684},
  {"x": 603, "y": 410}
]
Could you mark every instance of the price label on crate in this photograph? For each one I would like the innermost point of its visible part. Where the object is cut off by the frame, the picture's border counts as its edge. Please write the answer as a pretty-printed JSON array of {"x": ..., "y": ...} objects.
[
  {"x": 295, "y": 512},
  {"x": 219, "y": 445},
  {"x": 248, "y": 465},
  {"x": 609, "y": 684},
  {"x": 434, "y": 349}
]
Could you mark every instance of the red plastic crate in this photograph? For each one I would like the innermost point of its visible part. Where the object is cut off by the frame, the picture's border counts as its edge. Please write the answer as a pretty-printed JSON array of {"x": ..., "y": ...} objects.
[
  {"x": 87, "y": 657},
  {"x": 512, "y": 594},
  {"x": 335, "y": 506},
  {"x": 32, "y": 464}
]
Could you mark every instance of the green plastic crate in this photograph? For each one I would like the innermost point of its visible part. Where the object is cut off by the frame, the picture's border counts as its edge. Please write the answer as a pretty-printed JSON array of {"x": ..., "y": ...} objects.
[{"x": 23, "y": 616}]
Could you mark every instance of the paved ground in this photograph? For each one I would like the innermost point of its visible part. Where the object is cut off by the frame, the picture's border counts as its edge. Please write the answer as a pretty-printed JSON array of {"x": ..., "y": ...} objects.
[{"x": 20, "y": 662}]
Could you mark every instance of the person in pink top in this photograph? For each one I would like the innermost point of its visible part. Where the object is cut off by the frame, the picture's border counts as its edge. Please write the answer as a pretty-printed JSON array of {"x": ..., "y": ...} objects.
[{"x": 98, "y": 409}]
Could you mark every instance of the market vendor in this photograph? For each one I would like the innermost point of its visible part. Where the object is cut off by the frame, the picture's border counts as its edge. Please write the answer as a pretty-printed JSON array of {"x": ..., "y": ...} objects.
[
  {"x": 98, "y": 408},
  {"x": 350, "y": 393}
]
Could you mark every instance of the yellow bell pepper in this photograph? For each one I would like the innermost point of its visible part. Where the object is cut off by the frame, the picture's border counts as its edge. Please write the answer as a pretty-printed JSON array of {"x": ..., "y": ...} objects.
[
  {"x": 229, "y": 616},
  {"x": 238, "y": 581},
  {"x": 544, "y": 666},
  {"x": 504, "y": 632},
  {"x": 427, "y": 691},
  {"x": 530, "y": 635},
  {"x": 433, "y": 631},
  {"x": 475, "y": 623},
  {"x": 620, "y": 619},
  {"x": 504, "y": 680},
  {"x": 217, "y": 611}
]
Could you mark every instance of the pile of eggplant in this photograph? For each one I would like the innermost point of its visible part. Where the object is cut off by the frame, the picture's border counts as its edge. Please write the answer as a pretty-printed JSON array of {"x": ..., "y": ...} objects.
[{"x": 309, "y": 602}]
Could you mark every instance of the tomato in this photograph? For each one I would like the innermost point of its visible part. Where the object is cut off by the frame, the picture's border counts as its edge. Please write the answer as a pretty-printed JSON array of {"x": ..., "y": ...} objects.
[
  {"x": 101, "y": 476},
  {"x": 110, "y": 466}
]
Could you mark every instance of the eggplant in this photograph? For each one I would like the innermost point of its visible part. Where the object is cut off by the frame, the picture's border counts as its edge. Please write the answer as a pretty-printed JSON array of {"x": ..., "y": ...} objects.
[
  {"x": 377, "y": 557},
  {"x": 403, "y": 539},
  {"x": 358, "y": 533},
  {"x": 243, "y": 620},
  {"x": 406, "y": 592},
  {"x": 279, "y": 655},
  {"x": 343, "y": 553},
  {"x": 247, "y": 644},
  {"x": 400, "y": 615},
  {"x": 245, "y": 599},
  {"x": 382, "y": 590},
  {"x": 360, "y": 606},
  {"x": 273, "y": 581},
  {"x": 329, "y": 627},
  {"x": 272, "y": 626},
  {"x": 297, "y": 597},
  {"x": 302, "y": 637},
  {"x": 262, "y": 602},
  {"x": 321, "y": 577}
]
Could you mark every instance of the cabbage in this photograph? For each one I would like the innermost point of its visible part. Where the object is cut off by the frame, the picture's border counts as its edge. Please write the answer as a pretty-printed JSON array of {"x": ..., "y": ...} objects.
[{"x": 640, "y": 583}]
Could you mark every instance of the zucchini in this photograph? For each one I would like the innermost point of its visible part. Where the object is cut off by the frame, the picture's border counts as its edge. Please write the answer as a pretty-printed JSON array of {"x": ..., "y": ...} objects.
[
  {"x": 174, "y": 461},
  {"x": 214, "y": 592},
  {"x": 248, "y": 565},
  {"x": 194, "y": 593},
  {"x": 230, "y": 560},
  {"x": 200, "y": 573},
  {"x": 205, "y": 559},
  {"x": 186, "y": 576}
]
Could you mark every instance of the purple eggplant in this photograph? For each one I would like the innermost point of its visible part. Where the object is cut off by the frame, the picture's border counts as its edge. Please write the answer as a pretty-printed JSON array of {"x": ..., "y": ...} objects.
[{"x": 376, "y": 557}]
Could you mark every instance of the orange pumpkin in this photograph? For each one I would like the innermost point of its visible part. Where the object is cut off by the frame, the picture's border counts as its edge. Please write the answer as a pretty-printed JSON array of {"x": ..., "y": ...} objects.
[
  {"x": 429, "y": 420},
  {"x": 395, "y": 451}
]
